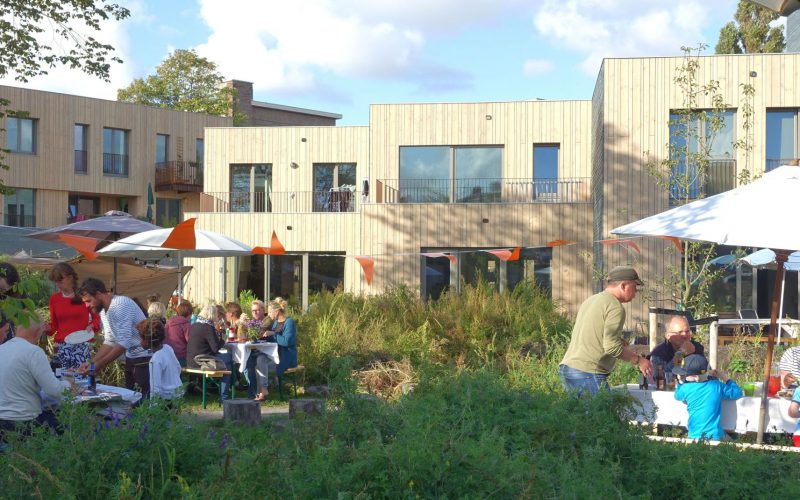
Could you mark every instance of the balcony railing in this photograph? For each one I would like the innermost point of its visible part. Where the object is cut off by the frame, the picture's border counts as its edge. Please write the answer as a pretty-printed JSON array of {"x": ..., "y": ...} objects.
[
  {"x": 562, "y": 190},
  {"x": 720, "y": 177},
  {"x": 773, "y": 163},
  {"x": 180, "y": 176},
  {"x": 114, "y": 164},
  {"x": 329, "y": 201},
  {"x": 81, "y": 166},
  {"x": 19, "y": 220}
]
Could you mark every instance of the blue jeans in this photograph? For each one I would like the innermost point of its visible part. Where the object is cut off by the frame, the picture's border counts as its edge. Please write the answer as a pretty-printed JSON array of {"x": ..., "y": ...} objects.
[
  {"x": 577, "y": 381},
  {"x": 225, "y": 381}
]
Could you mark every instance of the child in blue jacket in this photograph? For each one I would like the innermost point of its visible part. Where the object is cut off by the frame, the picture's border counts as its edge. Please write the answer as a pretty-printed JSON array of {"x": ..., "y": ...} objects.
[{"x": 703, "y": 395}]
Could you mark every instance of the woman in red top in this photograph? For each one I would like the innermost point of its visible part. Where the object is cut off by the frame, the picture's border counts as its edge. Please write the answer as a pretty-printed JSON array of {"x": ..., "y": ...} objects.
[{"x": 69, "y": 314}]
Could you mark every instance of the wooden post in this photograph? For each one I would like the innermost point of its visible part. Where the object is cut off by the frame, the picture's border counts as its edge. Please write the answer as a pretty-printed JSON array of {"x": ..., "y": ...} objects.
[
  {"x": 244, "y": 411},
  {"x": 713, "y": 343},
  {"x": 653, "y": 330}
]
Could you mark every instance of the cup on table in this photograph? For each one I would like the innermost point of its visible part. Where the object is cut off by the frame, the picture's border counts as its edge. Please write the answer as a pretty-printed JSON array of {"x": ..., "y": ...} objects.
[{"x": 749, "y": 389}]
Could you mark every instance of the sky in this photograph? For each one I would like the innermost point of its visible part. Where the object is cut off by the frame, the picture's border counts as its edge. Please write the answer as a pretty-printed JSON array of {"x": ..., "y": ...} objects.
[{"x": 340, "y": 56}]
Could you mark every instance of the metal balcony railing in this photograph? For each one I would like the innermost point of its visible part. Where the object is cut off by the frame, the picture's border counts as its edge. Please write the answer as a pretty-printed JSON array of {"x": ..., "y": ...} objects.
[
  {"x": 181, "y": 176},
  {"x": 329, "y": 201},
  {"x": 19, "y": 220},
  {"x": 773, "y": 163},
  {"x": 489, "y": 190},
  {"x": 81, "y": 165},
  {"x": 720, "y": 177},
  {"x": 114, "y": 164}
]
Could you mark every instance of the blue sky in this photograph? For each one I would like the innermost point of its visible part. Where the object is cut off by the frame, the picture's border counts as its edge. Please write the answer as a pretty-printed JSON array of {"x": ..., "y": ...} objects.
[{"x": 341, "y": 55}]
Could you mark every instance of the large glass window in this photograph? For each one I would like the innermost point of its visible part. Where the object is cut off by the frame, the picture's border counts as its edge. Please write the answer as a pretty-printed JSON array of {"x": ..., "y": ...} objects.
[
  {"x": 168, "y": 212},
  {"x": 325, "y": 272},
  {"x": 781, "y": 137},
  {"x": 334, "y": 187},
  {"x": 81, "y": 143},
  {"x": 691, "y": 136},
  {"x": 81, "y": 207},
  {"x": 251, "y": 186},
  {"x": 21, "y": 208},
  {"x": 199, "y": 153},
  {"x": 442, "y": 174},
  {"x": 115, "y": 151},
  {"x": 20, "y": 135},
  {"x": 286, "y": 276},
  {"x": 533, "y": 264},
  {"x": 162, "y": 148},
  {"x": 545, "y": 170}
]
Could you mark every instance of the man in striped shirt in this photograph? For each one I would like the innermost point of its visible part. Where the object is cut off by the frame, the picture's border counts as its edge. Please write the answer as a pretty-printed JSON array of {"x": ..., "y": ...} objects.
[
  {"x": 122, "y": 315},
  {"x": 790, "y": 366}
]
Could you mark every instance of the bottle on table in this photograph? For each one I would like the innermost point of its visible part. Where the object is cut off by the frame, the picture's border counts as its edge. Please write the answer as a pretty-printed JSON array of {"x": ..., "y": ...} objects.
[
  {"x": 230, "y": 335},
  {"x": 643, "y": 385},
  {"x": 92, "y": 379},
  {"x": 661, "y": 383}
]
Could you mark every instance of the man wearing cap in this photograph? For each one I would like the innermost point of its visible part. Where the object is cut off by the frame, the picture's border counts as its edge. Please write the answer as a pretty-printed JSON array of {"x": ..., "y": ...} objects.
[
  {"x": 597, "y": 342},
  {"x": 703, "y": 395}
]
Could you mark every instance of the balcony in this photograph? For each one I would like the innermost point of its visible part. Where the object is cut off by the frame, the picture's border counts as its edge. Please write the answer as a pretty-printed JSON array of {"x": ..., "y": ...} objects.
[
  {"x": 19, "y": 220},
  {"x": 524, "y": 190},
  {"x": 328, "y": 201},
  {"x": 773, "y": 163},
  {"x": 720, "y": 177},
  {"x": 114, "y": 164},
  {"x": 180, "y": 176}
]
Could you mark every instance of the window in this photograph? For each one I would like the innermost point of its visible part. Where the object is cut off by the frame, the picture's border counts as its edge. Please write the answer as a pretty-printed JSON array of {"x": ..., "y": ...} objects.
[
  {"x": 251, "y": 187},
  {"x": 781, "y": 137},
  {"x": 450, "y": 174},
  {"x": 81, "y": 142},
  {"x": 545, "y": 170},
  {"x": 21, "y": 208},
  {"x": 20, "y": 135},
  {"x": 533, "y": 264},
  {"x": 168, "y": 212},
  {"x": 162, "y": 148},
  {"x": 325, "y": 272},
  {"x": 115, "y": 151},
  {"x": 199, "y": 153},
  {"x": 691, "y": 137},
  {"x": 334, "y": 187},
  {"x": 81, "y": 207}
]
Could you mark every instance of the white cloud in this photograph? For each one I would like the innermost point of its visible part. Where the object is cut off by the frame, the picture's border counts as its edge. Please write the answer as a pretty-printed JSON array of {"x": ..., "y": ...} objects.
[
  {"x": 533, "y": 67},
  {"x": 286, "y": 47},
  {"x": 627, "y": 28}
]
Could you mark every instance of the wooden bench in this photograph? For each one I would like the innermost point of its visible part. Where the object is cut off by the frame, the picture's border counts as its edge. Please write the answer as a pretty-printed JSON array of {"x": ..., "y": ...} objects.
[
  {"x": 206, "y": 375},
  {"x": 292, "y": 372}
]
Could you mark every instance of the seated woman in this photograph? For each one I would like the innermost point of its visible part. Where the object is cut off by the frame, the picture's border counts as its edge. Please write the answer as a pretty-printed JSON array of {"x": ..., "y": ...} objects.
[
  {"x": 177, "y": 330},
  {"x": 205, "y": 340},
  {"x": 165, "y": 371},
  {"x": 283, "y": 331}
]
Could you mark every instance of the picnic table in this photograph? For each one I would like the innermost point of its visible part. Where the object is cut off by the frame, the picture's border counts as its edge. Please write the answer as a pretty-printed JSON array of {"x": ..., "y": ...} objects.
[{"x": 241, "y": 352}]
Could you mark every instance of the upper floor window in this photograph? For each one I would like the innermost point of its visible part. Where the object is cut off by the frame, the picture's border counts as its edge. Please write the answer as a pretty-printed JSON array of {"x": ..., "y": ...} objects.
[
  {"x": 455, "y": 174},
  {"x": 199, "y": 152},
  {"x": 115, "y": 151},
  {"x": 81, "y": 140},
  {"x": 781, "y": 137},
  {"x": 20, "y": 208},
  {"x": 162, "y": 148},
  {"x": 545, "y": 170},
  {"x": 20, "y": 135},
  {"x": 695, "y": 137},
  {"x": 168, "y": 212},
  {"x": 334, "y": 187},
  {"x": 251, "y": 188}
]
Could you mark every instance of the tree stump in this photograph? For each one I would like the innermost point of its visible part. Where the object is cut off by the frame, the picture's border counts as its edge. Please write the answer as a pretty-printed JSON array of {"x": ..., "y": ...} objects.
[
  {"x": 305, "y": 405},
  {"x": 243, "y": 411},
  {"x": 317, "y": 391}
]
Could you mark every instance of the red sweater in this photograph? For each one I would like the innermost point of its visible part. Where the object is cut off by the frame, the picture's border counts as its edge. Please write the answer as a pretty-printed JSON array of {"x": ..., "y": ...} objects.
[{"x": 66, "y": 317}]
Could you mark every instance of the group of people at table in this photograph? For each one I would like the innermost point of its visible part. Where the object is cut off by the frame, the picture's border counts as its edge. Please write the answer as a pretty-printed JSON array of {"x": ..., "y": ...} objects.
[
  {"x": 597, "y": 343},
  {"x": 154, "y": 348}
]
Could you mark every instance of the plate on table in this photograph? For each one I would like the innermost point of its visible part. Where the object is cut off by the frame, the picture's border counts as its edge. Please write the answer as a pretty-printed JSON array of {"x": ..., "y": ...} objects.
[
  {"x": 79, "y": 337},
  {"x": 785, "y": 393}
]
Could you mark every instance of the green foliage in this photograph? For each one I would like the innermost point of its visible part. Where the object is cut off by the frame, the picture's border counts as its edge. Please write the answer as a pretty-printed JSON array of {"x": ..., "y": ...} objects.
[
  {"x": 750, "y": 31},
  {"x": 246, "y": 298},
  {"x": 184, "y": 81}
]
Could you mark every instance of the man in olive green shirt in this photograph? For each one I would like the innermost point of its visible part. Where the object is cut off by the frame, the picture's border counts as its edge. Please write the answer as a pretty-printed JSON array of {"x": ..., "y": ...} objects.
[{"x": 597, "y": 341}]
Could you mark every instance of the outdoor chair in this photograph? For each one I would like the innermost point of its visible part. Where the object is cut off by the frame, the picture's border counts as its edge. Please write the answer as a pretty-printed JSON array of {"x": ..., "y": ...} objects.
[
  {"x": 750, "y": 330},
  {"x": 291, "y": 373}
]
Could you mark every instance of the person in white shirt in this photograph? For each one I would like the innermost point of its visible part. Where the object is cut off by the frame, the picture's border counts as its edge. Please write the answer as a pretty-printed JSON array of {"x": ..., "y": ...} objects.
[
  {"x": 24, "y": 372},
  {"x": 165, "y": 370}
]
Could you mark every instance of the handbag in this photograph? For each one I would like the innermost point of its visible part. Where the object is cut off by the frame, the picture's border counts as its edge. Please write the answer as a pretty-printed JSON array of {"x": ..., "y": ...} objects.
[{"x": 209, "y": 363}]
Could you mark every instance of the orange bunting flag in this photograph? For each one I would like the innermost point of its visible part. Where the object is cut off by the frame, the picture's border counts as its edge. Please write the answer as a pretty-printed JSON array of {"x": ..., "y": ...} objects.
[
  {"x": 627, "y": 243},
  {"x": 368, "y": 264},
  {"x": 434, "y": 255},
  {"x": 500, "y": 254},
  {"x": 515, "y": 254},
  {"x": 182, "y": 236},
  {"x": 276, "y": 248},
  {"x": 675, "y": 241},
  {"x": 83, "y": 244},
  {"x": 558, "y": 243}
]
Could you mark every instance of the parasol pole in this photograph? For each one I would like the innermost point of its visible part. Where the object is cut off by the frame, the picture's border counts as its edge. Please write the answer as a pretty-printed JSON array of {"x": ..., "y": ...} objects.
[{"x": 781, "y": 256}]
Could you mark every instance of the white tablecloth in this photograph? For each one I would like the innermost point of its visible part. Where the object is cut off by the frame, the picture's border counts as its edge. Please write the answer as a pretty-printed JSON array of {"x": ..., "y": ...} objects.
[
  {"x": 241, "y": 352},
  {"x": 660, "y": 407}
]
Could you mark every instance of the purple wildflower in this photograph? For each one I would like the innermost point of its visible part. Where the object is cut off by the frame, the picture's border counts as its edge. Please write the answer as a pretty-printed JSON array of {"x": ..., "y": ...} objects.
[{"x": 224, "y": 443}]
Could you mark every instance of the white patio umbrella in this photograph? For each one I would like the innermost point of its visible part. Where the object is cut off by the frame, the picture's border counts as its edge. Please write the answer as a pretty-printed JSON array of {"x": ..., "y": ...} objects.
[
  {"x": 749, "y": 216},
  {"x": 162, "y": 243}
]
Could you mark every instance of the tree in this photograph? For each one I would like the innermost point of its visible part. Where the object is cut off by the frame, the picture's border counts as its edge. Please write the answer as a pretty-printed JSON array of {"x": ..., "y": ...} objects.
[
  {"x": 750, "y": 31},
  {"x": 183, "y": 81}
]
